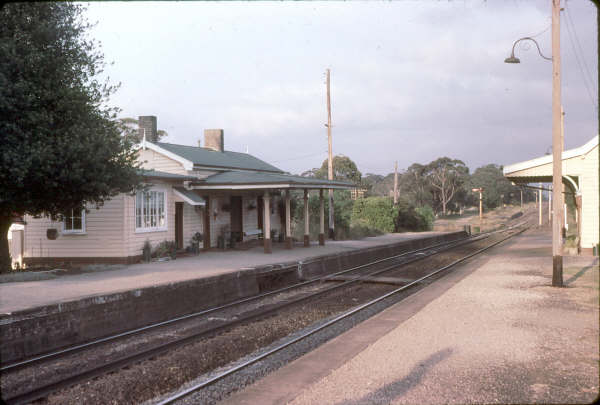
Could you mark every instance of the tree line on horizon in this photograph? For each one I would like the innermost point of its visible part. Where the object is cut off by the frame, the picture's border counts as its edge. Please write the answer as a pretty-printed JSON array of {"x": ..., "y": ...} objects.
[{"x": 445, "y": 185}]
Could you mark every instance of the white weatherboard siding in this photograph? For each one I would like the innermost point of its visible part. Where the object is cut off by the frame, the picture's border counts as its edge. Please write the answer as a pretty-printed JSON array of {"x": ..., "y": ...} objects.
[
  {"x": 192, "y": 223},
  {"x": 250, "y": 217},
  {"x": 102, "y": 237},
  {"x": 589, "y": 201},
  {"x": 581, "y": 163},
  {"x": 153, "y": 160},
  {"x": 134, "y": 241}
]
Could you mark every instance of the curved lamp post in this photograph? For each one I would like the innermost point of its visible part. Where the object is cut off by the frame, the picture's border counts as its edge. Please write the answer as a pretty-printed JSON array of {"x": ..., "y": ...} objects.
[
  {"x": 513, "y": 59},
  {"x": 557, "y": 144}
]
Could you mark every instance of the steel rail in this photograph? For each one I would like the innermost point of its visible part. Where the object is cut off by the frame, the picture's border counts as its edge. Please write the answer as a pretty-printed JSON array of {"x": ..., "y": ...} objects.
[
  {"x": 45, "y": 390},
  {"x": 76, "y": 348},
  {"x": 333, "y": 321}
]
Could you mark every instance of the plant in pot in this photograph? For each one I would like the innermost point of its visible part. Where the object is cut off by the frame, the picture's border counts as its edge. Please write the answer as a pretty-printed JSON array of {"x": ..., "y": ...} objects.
[{"x": 196, "y": 239}]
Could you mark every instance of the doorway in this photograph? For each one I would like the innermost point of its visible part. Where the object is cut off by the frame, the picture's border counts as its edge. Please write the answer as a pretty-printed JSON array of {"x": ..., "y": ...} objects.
[
  {"x": 236, "y": 219},
  {"x": 179, "y": 225}
]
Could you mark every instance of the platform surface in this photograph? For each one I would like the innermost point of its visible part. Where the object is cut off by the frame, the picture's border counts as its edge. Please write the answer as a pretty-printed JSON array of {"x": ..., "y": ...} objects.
[
  {"x": 32, "y": 294},
  {"x": 492, "y": 331}
]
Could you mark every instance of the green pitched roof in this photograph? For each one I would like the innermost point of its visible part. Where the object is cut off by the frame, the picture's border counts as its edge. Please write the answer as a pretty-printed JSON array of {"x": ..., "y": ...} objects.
[
  {"x": 234, "y": 178},
  {"x": 226, "y": 159}
]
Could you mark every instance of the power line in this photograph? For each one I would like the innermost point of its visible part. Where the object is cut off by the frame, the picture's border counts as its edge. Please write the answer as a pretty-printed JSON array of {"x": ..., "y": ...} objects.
[
  {"x": 587, "y": 81},
  {"x": 568, "y": 14}
]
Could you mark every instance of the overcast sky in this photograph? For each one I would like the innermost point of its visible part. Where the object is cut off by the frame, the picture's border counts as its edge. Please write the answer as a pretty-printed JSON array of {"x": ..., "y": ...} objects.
[{"x": 410, "y": 80}]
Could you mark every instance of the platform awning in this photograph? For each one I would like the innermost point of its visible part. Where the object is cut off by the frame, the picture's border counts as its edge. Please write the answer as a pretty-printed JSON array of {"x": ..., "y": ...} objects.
[
  {"x": 238, "y": 180},
  {"x": 539, "y": 170},
  {"x": 189, "y": 196}
]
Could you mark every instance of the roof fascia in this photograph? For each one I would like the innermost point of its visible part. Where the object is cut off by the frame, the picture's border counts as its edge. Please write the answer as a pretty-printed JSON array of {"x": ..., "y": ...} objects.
[
  {"x": 567, "y": 154},
  {"x": 187, "y": 164},
  {"x": 187, "y": 200}
]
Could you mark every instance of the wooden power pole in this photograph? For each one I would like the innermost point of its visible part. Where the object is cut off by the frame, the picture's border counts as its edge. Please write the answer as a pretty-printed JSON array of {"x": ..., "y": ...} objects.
[
  {"x": 330, "y": 163},
  {"x": 557, "y": 148},
  {"x": 396, "y": 183}
]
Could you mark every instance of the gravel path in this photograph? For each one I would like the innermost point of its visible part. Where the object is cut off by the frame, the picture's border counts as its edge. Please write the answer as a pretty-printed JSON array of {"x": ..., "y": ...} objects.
[{"x": 501, "y": 335}]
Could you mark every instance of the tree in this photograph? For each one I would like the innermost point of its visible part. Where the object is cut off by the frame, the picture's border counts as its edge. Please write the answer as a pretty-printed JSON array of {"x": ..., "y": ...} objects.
[
  {"x": 344, "y": 169},
  {"x": 495, "y": 185},
  {"x": 61, "y": 144},
  {"x": 417, "y": 186},
  {"x": 446, "y": 176}
]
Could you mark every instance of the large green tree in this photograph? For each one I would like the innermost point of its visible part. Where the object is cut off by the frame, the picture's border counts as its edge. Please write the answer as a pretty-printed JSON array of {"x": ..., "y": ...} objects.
[
  {"x": 344, "y": 169},
  {"x": 60, "y": 144},
  {"x": 497, "y": 189}
]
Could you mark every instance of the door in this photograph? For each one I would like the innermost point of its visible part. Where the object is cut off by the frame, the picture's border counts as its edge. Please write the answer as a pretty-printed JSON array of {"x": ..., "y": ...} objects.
[
  {"x": 236, "y": 218},
  {"x": 179, "y": 225}
]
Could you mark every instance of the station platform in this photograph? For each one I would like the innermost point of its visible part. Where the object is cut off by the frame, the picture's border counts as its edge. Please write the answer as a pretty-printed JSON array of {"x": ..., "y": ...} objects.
[
  {"x": 491, "y": 331},
  {"x": 19, "y": 296},
  {"x": 69, "y": 309}
]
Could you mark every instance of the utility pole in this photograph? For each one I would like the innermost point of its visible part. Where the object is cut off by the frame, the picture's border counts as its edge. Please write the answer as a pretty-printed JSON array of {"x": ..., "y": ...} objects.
[
  {"x": 557, "y": 148},
  {"x": 396, "y": 183},
  {"x": 540, "y": 206},
  {"x": 330, "y": 163}
]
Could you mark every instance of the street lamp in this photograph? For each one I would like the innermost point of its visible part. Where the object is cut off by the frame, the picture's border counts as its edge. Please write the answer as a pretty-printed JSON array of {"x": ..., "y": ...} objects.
[
  {"x": 513, "y": 59},
  {"x": 557, "y": 147}
]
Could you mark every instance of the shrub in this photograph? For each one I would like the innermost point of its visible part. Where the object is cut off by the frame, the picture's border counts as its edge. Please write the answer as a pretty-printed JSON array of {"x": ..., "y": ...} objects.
[
  {"x": 414, "y": 219},
  {"x": 427, "y": 217},
  {"x": 376, "y": 213},
  {"x": 147, "y": 251},
  {"x": 166, "y": 248}
]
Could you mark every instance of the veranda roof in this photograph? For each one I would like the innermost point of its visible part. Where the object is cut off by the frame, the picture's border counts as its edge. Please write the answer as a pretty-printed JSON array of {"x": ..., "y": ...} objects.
[
  {"x": 189, "y": 196},
  {"x": 235, "y": 180}
]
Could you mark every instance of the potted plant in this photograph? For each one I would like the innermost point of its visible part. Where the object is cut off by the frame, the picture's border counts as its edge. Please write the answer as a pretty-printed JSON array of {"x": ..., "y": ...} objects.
[{"x": 196, "y": 239}]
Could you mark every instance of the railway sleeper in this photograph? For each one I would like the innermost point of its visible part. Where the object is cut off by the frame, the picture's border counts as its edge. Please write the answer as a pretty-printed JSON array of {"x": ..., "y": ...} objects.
[{"x": 373, "y": 279}]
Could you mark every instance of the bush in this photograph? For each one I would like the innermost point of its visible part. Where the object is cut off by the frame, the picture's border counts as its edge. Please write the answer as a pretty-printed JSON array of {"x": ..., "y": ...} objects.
[
  {"x": 166, "y": 248},
  {"x": 427, "y": 217},
  {"x": 414, "y": 219},
  {"x": 376, "y": 213},
  {"x": 147, "y": 251}
]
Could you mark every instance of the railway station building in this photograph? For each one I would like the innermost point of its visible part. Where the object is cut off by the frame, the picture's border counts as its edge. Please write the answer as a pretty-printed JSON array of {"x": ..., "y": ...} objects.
[
  {"x": 223, "y": 196},
  {"x": 580, "y": 180}
]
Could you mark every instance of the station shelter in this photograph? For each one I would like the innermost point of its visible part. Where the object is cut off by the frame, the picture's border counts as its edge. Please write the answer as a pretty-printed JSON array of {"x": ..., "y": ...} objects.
[{"x": 580, "y": 181}]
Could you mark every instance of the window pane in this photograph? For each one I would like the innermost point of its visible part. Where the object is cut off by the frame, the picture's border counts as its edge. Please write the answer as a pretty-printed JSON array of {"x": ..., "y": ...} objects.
[
  {"x": 161, "y": 209},
  {"x": 146, "y": 210},
  {"x": 77, "y": 224}
]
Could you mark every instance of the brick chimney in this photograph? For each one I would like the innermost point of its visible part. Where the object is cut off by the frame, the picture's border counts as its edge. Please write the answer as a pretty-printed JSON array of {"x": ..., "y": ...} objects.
[
  {"x": 213, "y": 139},
  {"x": 148, "y": 123}
]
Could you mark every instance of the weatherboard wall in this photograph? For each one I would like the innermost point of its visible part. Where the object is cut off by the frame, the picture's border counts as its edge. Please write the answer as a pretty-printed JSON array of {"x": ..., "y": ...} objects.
[
  {"x": 153, "y": 160},
  {"x": 589, "y": 200},
  {"x": 102, "y": 236}
]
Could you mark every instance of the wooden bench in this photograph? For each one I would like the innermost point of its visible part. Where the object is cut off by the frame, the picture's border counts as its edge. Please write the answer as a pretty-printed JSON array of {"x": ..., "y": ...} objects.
[{"x": 253, "y": 232}]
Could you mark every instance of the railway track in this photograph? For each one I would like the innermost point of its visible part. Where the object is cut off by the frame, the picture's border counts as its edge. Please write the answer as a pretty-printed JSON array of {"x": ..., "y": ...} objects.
[
  {"x": 265, "y": 305},
  {"x": 180, "y": 395}
]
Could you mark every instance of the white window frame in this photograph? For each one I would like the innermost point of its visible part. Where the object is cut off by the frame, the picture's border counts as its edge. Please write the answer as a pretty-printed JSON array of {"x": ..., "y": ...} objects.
[
  {"x": 157, "y": 227},
  {"x": 74, "y": 231}
]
